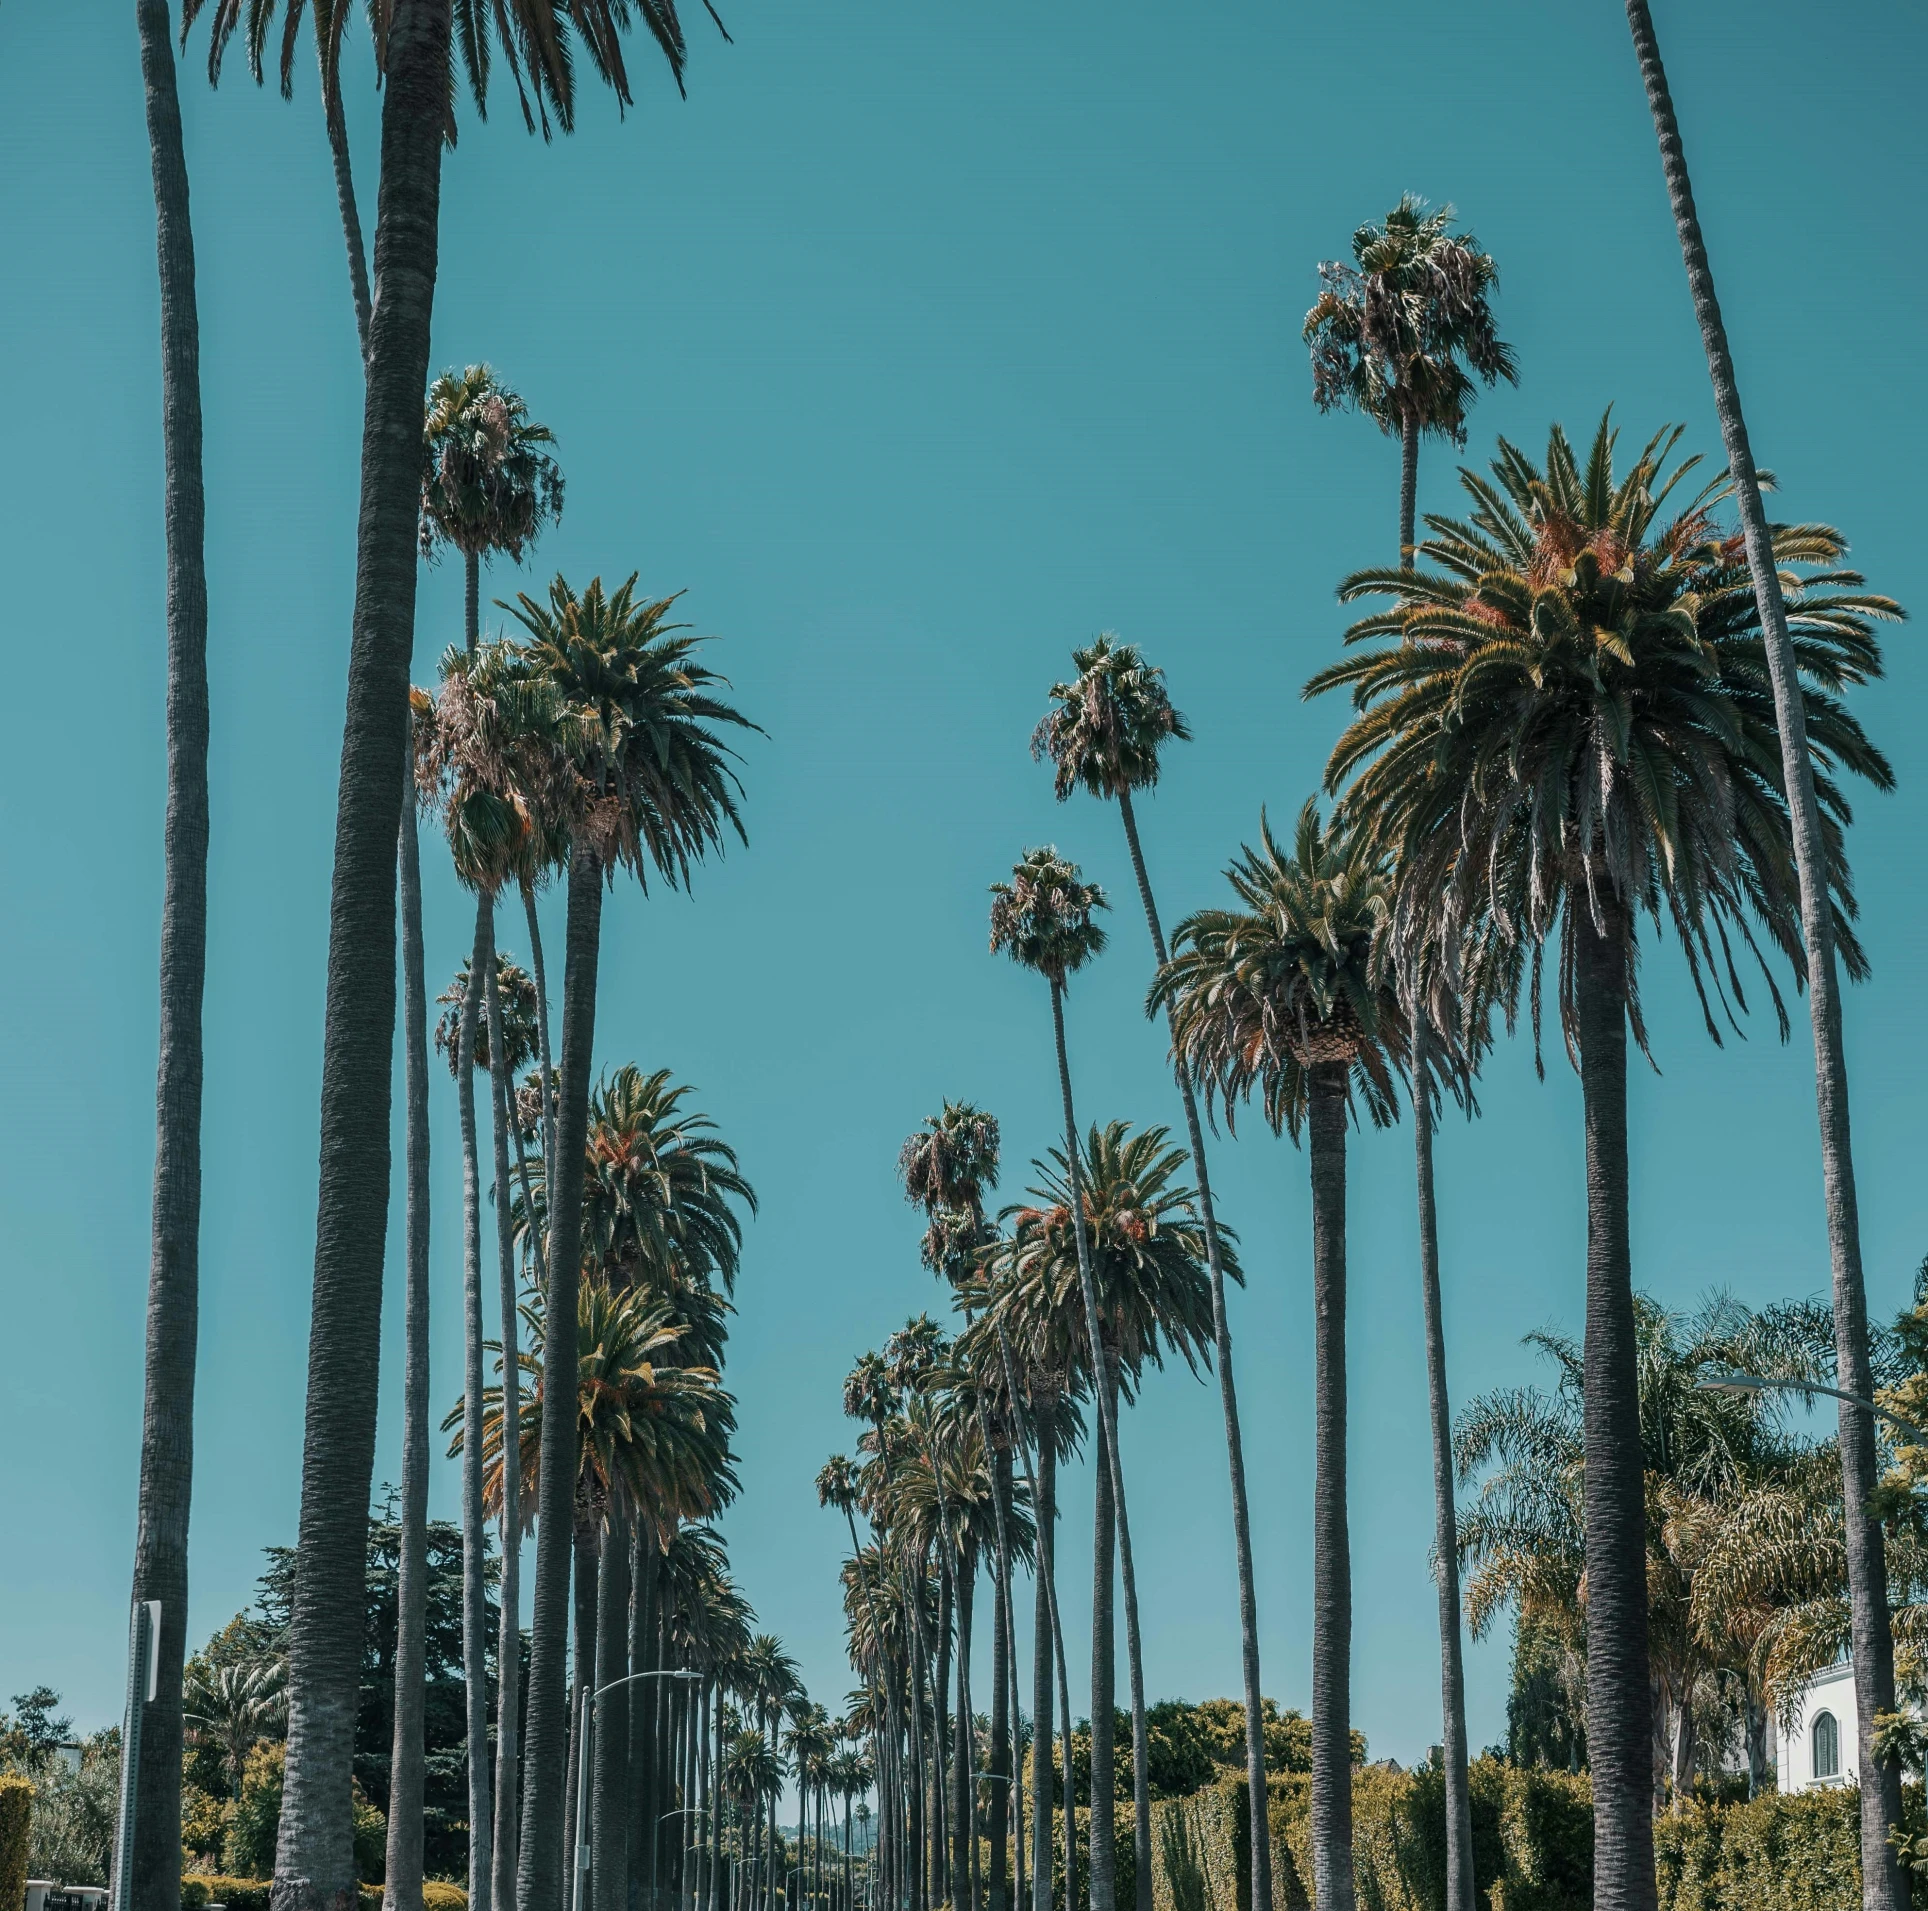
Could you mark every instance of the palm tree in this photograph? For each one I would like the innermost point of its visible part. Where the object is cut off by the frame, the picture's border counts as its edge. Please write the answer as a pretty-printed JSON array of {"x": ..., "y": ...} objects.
[
  {"x": 236, "y": 1706},
  {"x": 414, "y": 44},
  {"x": 1401, "y": 336},
  {"x": 1104, "y": 734},
  {"x": 173, "y": 1283},
  {"x": 1402, "y": 332},
  {"x": 619, "y": 752},
  {"x": 1884, "y": 1888},
  {"x": 1568, "y": 724},
  {"x": 1045, "y": 918},
  {"x": 1288, "y": 994},
  {"x": 1147, "y": 1254}
]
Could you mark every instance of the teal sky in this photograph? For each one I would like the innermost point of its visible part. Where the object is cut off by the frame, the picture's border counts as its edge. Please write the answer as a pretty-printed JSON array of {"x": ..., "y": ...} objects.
[{"x": 917, "y": 346}]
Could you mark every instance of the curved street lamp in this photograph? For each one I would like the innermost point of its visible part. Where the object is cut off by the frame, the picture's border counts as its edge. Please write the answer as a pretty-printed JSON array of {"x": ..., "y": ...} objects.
[
  {"x": 585, "y": 1759},
  {"x": 1760, "y": 1383}
]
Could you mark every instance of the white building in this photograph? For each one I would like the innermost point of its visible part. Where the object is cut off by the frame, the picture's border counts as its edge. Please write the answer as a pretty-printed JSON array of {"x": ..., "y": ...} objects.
[{"x": 1821, "y": 1747}]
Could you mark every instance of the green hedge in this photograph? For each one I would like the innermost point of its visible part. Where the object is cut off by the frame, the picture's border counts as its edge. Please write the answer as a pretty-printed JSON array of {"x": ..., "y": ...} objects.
[
  {"x": 16, "y": 1832},
  {"x": 251, "y": 1894},
  {"x": 1801, "y": 1853},
  {"x": 1532, "y": 1846}
]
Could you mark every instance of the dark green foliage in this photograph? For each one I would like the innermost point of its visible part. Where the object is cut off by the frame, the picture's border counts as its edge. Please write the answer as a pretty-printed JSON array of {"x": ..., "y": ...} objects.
[
  {"x": 263, "y": 1631},
  {"x": 1544, "y": 1710},
  {"x": 16, "y": 1828}
]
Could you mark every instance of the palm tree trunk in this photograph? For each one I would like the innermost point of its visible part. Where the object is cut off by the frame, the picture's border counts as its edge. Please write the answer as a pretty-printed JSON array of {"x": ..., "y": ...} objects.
[
  {"x": 314, "y": 1858},
  {"x": 998, "y": 1808},
  {"x": 1452, "y": 1677},
  {"x": 1619, "y": 1705},
  {"x": 1108, "y": 1430},
  {"x": 403, "y": 1871},
  {"x": 173, "y": 1282},
  {"x": 1044, "y": 1505},
  {"x": 1140, "y": 1731},
  {"x": 1883, "y": 1888},
  {"x": 1104, "y": 1678},
  {"x": 964, "y": 1867},
  {"x": 1331, "y": 1549},
  {"x": 609, "y": 1773},
  {"x": 540, "y": 1877},
  {"x": 508, "y": 1656},
  {"x": 574, "y": 1835},
  {"x": 542, "y": 1031},
  {"x": 475, "y": 1637},
  {"x": 1408, "y": 487},
  {"x": 1248, "y": 1604},
  {"x": 642, "y": 1637},
  {"x": 351, "y": 231},
  {"x": 1066, "y": 1743}
]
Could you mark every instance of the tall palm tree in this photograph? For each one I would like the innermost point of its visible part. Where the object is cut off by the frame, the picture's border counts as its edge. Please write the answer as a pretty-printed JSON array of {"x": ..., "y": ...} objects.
[
  {"x": 1288, "y": 994},
  {"x": 621, "y": 752},
  {"x": 1565, "y": 726},
  {"x": 1402, "y": 336},
  {"x": 1104, "y": 734},
  {"x": 1045, "y": 919},
  {"x": 414, "y": 44},
  {"x": 1883, "y": 1888},
  {"x": 1402, "y": 333},
  {"x": 1147, "y": 1256},
  {"x": 173, "y": 1282}
]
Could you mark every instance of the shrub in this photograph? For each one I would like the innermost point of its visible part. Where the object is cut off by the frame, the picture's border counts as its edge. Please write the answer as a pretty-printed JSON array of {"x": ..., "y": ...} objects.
[
  {"x": 435, "y": 1897},
  {"x": 75, "y": 1812},
  {"x": 16, "y": 1831},
  {"x": 255, "y": 1816},
  {"x": 238, "y": 1894}
]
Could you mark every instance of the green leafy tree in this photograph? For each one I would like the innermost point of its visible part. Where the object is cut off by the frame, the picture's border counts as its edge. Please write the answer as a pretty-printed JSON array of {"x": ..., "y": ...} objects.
[
  {"x": 1565, "y": 726},
  {"x": 1288, "y": 995}
]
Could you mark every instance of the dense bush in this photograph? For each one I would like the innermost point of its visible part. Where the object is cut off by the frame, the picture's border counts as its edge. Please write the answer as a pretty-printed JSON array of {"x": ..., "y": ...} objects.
[
  {"x": 75, "y": 1813},
  {"x": 16, "y": 1828},
  {"x": 1532, "y": 1846},
  {"x": 255, "y": 1819}
]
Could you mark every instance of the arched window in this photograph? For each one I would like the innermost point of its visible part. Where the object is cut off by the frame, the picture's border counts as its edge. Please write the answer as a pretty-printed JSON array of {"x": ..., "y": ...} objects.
[{"x": 1825, "y": 1742}]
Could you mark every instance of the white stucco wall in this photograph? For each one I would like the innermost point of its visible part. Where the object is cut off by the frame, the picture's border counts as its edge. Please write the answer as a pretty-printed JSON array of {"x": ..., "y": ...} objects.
[{"x": 1831, "y": 1691}]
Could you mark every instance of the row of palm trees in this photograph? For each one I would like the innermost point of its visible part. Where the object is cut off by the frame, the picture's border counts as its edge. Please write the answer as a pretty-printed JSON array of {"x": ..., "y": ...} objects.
[
  {"x": 1581, "y": 598},
  {"x": 1564, "y": 724}
]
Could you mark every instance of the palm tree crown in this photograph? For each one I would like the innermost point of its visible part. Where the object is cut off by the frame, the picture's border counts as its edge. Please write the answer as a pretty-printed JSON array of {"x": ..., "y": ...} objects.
[
  {"x": 1147, "y": 1252},
  {"x": 632, "y": 730},
  {"x": 1045, "y": 916},
  {"x": 1394, "y": 334},
  {"x": 1296, "y": 975},
  {"x": 1107, "y": 725},
  {"x": 1574, "y": 707},
  {"x": 487, "y": 483}
]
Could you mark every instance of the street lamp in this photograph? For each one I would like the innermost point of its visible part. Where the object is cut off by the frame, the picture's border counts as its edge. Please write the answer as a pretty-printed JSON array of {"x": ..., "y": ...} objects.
[
  {"x": 1761, "y": 1383},
  {"x": 585, "y": 1753}
]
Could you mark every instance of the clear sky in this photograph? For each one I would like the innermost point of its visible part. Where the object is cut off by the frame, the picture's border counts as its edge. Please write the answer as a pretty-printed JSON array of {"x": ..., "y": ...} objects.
[{"x": 917, "y": 345}]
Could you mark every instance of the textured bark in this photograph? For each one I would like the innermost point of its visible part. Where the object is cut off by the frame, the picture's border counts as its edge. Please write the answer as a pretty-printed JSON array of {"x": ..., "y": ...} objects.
[
  {"x": 1408, "y": 487},
  {"x": 402, "y": 1890},
  {"x": 539, "y": 973},
  {"x": 351, "y": 231},
  {"x": 642, "y": 1634},
  {"x": 574, "y": 1834},
  {"x": 1331, "y": 1547},
  {"x": 1452, "y": 1675},
  {"x": 314, "y": 1860},
  {"x": 1140, "y": 1731},
  {"x": 539, "y": 1878},
  {"x": 173, "y": 1278},
  {"x": 1619, "y": 1703},
  {"x": 1260, "y": 1858},
  {"x": 609, "y": 1765},
  {"x": 508, "y": 1654},
  {"x": 1044, "y": 1502},
  {"x": 964, "y": 1864},
  {"x": 998, "y": 1804},
  {"x": 1104, "y": 1682},
  {"x": 1883, "y": 1888},
  {"x": 1108, "y": 1446},
  {"x": 475, "y": 1609}
]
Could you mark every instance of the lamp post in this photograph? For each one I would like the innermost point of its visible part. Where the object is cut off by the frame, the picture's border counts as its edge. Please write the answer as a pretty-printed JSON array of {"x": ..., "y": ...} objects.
[
  {"x": 586, "y": 1743},
  {"x": 1761, "y": 1383}
]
